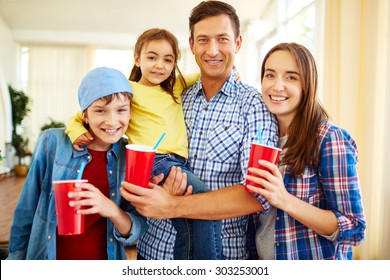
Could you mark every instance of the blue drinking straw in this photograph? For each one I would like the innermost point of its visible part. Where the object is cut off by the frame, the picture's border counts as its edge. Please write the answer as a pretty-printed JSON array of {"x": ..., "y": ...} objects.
[
  {"x": 159, "y": 140},
  {"x": 259, "y": 135},
  {"x": 83, "y": 164}
]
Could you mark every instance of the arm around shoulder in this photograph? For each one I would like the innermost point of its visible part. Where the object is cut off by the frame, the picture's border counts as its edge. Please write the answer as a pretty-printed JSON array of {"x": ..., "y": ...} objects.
[{"x": 75, "y": 127}]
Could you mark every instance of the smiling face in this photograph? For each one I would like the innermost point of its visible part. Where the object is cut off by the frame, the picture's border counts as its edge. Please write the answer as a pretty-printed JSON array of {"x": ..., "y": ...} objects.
[
  {"x": 214, "y": 46},
  {"x": 157, "y": 61},
  {"x": 282, "y": 86},
  {"x": 107, "y": 122}
]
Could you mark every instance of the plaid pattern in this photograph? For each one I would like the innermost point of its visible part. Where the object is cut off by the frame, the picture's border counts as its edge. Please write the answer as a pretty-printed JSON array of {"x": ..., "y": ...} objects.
[
  {"x": 334, "y": 186},
  {"x": 220, "y": 134}
]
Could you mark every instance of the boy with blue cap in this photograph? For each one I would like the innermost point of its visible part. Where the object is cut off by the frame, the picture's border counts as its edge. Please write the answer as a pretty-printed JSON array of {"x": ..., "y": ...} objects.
[{"x": 111, "y": 222}]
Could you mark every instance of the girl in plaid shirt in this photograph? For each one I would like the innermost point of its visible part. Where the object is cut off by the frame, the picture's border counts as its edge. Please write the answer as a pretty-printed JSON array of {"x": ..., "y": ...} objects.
[{"x": 317, "y": 209}]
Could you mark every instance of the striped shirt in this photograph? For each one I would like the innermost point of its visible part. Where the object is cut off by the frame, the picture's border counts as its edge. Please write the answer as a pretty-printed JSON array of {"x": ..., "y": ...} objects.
[
  {"x": 220, "y": 134},
  {"x": 334, "y": 185}
]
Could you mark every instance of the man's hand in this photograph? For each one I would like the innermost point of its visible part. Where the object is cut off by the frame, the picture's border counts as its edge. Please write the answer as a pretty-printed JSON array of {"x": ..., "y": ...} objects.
[
  {"x": 156, "y": 201},
  {"x": 176, "y": 182},
  {"x": 153, "y": 202},
  {"x": 83, "y": 140}
]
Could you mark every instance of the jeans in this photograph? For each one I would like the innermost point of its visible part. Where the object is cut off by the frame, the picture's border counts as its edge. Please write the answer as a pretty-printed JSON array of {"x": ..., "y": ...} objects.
[{"x": 195, "y": 239}]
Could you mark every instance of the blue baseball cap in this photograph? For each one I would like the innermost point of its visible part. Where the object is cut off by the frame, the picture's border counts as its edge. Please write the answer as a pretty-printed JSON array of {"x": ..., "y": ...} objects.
[{"x": 101, "y": 82}]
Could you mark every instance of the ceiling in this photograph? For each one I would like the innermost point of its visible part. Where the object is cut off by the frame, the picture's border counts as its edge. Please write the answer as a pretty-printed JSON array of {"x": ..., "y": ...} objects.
[{"x": 105, "y": 22}]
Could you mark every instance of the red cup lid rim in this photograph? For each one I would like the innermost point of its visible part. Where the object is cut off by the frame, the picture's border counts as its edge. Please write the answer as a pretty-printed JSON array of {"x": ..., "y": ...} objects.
[
  {"x": 140, "y": 148},
  {"x": 71, "y": 181},
  {"x": 268, "y": 146}
]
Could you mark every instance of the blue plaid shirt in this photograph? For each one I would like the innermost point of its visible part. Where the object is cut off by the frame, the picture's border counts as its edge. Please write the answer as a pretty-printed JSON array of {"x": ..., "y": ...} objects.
[
  {"x": 334, "y": 185},
  {"x": 220, "y": 134}
]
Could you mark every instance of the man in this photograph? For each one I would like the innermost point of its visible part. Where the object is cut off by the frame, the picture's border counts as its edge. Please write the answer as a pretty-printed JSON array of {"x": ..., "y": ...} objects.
[{"x": 222, "y": 118}]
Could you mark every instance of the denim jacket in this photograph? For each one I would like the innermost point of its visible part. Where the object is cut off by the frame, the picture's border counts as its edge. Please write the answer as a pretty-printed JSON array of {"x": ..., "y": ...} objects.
[{"x": 33, "y": 230}]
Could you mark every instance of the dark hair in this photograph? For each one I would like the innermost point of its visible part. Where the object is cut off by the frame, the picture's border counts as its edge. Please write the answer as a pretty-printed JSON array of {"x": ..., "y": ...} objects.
[
  {"x": 156, "y": 34},
  {"x": 109, "y": 98},
  {"x": 303, "y": 139},
  {"x": 214, "y": 8}
]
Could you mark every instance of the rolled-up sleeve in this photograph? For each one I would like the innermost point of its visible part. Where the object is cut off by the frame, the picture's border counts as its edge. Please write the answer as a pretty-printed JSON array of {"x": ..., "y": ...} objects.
[{"x": 137, "y": 229}]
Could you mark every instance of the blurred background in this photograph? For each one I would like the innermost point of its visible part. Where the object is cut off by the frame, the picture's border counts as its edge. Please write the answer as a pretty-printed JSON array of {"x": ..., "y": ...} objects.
[{"x": 47, "y": 46}]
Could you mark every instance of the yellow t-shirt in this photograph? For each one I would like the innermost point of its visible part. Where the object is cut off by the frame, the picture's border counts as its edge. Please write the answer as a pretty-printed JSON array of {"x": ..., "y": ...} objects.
[{"x": 153, "y": 112}]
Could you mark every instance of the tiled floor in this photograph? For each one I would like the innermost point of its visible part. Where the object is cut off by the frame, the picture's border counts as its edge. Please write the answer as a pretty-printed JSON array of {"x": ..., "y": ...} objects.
[{"x": 10, "y": 188}]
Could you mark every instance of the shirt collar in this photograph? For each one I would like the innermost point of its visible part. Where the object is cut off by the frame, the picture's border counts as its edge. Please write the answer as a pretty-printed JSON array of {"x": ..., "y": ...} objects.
[
  {"x": 115, "y": 149},
  {"x": 227, "y": 89}
]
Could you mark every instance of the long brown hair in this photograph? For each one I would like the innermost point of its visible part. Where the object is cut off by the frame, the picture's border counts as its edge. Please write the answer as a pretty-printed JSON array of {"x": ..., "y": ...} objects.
[
  {"x": 303, "y": 139},
  {"x": 156, "y": 34}
]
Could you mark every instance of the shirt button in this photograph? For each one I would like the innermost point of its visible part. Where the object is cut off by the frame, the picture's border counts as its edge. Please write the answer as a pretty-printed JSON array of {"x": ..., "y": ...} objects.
[
  {"x": 277, "y": 244},
  {"x": 206, "y": 108},
  {"x": 277, "y": 218},
  {"x": 49, "y": 237},
  {"x": 111, "y": 240},
  {"x": 226, "y": 127},
  {"x": 89, "y": 157},
  {"x": 195, "y": 156},
  {"x": 110, "y": 171},
  {"x": 113, "y": 194},
  {"x": 200, "y": 132}
]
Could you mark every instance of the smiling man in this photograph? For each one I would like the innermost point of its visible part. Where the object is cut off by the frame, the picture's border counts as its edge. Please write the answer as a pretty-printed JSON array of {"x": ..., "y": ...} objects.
[{"x": 222, "y": 117}]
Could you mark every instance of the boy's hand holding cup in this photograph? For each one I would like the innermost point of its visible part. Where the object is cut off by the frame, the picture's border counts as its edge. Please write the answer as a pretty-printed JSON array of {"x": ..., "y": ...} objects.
[{"x": 69, "y": 222}]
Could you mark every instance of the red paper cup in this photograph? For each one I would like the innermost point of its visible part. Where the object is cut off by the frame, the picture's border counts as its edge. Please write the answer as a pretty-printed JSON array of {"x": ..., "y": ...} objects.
[
  {"x": 69, "y": 223},
  {"x": 261, "y": 152},
  {"x": 139, "y": 164}
]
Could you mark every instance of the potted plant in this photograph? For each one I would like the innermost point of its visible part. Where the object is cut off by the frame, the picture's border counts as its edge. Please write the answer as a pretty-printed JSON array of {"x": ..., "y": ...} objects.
[
  {"x": 52, "y": 124},
  {"x": 1, "y": 167},
  {"x": 20, "y": 108},
  {"x": 1, "y": 160}
]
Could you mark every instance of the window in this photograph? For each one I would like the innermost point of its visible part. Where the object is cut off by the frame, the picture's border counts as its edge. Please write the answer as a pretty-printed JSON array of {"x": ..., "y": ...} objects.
[
  {"x": 283, "y": 21},
  {"x": 119, "y": 59}
]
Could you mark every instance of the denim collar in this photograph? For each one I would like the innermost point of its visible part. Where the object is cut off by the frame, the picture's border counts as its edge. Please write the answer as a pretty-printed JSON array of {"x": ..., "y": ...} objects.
[{"x": 115, "y": 149}]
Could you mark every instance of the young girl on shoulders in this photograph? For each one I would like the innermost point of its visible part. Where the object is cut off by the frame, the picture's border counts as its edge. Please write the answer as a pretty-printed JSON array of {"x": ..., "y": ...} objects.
[{"x": 156, "y": 108}]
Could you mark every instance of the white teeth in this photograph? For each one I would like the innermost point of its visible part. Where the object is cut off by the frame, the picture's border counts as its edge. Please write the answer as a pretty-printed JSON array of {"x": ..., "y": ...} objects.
[
  {"x": 278, "y": 98},
  {"x": 213, "y": 61},
  {"x": 110, "y": 130}
]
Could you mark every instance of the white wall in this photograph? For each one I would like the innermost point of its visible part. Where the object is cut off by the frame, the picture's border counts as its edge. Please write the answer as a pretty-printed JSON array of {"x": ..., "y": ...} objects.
[{"x": 8, "y": 69}]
